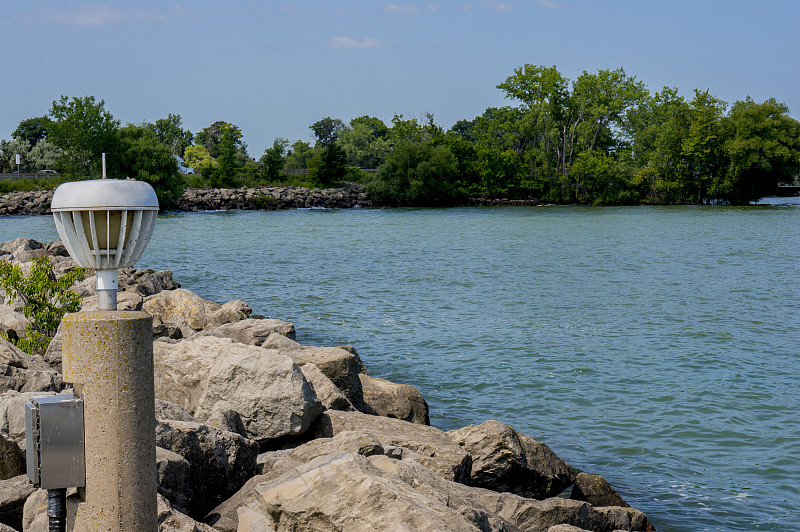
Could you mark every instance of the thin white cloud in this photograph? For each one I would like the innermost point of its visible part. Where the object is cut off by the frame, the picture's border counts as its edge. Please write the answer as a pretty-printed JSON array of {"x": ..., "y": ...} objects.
[
  {"x": 348, "y": 43},
  {"x": 104, "y": 15},
  {"x": 550, "y": 4},
  {"x": 405, "y": 9},
  {"x": 496, "y": 5}
]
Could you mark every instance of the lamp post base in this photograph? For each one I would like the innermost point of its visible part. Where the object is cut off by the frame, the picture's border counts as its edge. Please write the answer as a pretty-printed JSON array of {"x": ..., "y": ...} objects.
[{"x": 108, "y": 355}]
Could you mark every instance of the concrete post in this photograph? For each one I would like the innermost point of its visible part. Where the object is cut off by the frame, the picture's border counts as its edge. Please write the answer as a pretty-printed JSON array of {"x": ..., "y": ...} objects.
[{"x": 108, "y": 355}]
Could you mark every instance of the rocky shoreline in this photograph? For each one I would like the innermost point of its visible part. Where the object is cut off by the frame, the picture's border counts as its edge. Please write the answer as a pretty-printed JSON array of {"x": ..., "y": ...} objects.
[
  {"x": 348, "y": 196},
  {"x": 257, "y": 432}
]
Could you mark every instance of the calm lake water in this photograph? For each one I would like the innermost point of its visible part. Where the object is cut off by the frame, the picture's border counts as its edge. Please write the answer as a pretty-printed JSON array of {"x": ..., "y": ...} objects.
[{"x": 656, "y": 346}]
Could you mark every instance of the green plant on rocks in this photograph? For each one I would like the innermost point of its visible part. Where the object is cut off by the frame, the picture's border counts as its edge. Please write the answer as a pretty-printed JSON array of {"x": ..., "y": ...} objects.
[{"x": 45, "y": 300}]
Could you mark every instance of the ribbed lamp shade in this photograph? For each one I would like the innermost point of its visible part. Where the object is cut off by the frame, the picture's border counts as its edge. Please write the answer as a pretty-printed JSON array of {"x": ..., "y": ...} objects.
[{"x": 105, "y": 223}]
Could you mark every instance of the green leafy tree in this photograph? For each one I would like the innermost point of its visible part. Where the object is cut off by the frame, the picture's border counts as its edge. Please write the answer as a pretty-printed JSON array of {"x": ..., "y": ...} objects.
[
  {"x": 328, "y": 165},
  {"x": 327, "y": 130},
  {"x": 701, "y": 146},
  {"x": 8, "y": 152},
  {"x": 33, "y": 130},
  {"x": 45, "y": 155},
  {"x": 762, "y": 149},
  {"x": 274, "y": 159},
  {"x": 83, "y": 129},
  {"x": 45, "y": 299},
  {"x": 225, "y": 171},
  {"x": 416, "y": 173},
  {"x": 211, "y": 138},
  {"x": 298, "y": 155},
  {"x": 197, "y": 157},
  {"x": 142, "y": 156},
  {"x": 364, "y": 143},
  {"x": 169, "y": 131}
]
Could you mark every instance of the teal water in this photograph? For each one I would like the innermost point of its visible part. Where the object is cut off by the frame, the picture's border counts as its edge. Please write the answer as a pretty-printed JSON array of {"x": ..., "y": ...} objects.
[{"x": 658, "y": 347}]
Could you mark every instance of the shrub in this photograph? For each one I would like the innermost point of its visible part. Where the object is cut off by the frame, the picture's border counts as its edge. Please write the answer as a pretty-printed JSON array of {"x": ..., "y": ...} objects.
[{"x": 45, "y": 300}]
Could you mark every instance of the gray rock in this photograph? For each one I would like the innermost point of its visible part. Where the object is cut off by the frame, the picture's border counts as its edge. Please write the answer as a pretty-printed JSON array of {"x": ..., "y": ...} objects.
[
  {"x": 173, "y": 478},
  {"x": 220, "y": 462},
  {"x": 209, "y": 374},
  {"x": 595, "y": 490},
  {"x": 170, "y": 410},
  {"x": 12, "y": 459},
  {"x": 400, "y": 401},
  {"x": 147, "y": 282},
  {"x": 254, "y": 331},
  {"x": 230, "y": 312},
  {"x": 229, "y": 420},
  {"x": 24, "y": 373},
  {"x": 612, "y": 518},
  {"x": 174, "y": 306},
  {"x": 504, "y": 460},
  {"x": 12, "y": 414},
  {"x": 345, "y": 491},
  {"x": 13, "y": 493},
  {"x": 327, "y": 392},
  {"x": 171, "y": 519},
  {"x": 431, "y": 447},
  {"x": 342, "y": 367},
  {"x": 277, "y": 340}
]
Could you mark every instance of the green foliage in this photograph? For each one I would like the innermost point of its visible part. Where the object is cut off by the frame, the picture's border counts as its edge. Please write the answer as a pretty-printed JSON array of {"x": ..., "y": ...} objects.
[
  {"x": 416, "y": 173},
  {"x": 198, "y": 158},
  {"x": 142, "y": 156},
  {"x": 169, "y": 132},
  {"x": 327, "y": 130},
  {"x": 33, "y": 130},
  {"x": 762, "y": 149},
  {"x": 83, "y": 129},
  {"x": 45, "y": 299},
  {"x": 211, "y": 138},
  {"x": 298, "y": 155},
  {"x": 274, "y": 159},
  {"x": 328, "y": 165},
  {"x": 363, "y": 145}
]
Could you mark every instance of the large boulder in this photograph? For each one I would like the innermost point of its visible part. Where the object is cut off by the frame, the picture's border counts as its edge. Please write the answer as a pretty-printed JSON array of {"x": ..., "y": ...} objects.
[
  {"x": 254, "y": 331},
  {"x": 390, "y": 399},
  {"x": 220, "y": 462},
  {"x": 170, "y": 519},
  {"x": 504, "y": 460},
  {"x": 331, "y": 397},
  {"x": 178, "y": 305},
  {"x": 173, "y": 478},
  {"x": 273, "y": 464},
  {"x": 429, "y": 445},
  {"x": 341, "y": 366},
  {"x": 22, "y": 372},
  {"x": 207, "y": 374},
  {"x": 13, "y": 493},
  {"x": 146, "y": 282},
  {"x": 12, "y": 414},
  {"x": 345, "y": 491},
  {"x": 12, "y": 459},
  {"x": 181, "y": 305},
  {"x": 595, "y": 490}
]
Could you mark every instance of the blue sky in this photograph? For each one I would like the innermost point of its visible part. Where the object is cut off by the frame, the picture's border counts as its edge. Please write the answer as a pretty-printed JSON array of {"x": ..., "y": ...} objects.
[{"x": 274, "y": 68}]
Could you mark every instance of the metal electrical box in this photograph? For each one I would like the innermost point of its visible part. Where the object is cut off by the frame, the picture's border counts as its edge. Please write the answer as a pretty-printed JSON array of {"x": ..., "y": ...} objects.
[{"x": 54, "y": 438}]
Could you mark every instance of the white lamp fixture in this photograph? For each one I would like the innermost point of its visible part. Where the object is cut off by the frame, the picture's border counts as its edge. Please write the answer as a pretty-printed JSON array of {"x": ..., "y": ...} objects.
[{"x": 105, "y": 225}]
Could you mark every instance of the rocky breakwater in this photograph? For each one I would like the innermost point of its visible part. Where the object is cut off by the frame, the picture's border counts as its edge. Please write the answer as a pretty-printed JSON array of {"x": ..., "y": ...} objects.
[
  {"x": 209, "y": 199},
  {"x": 28, "y": 202},
  {"x": 257, "y": 432},
  {"x": 271, "y": 198}
]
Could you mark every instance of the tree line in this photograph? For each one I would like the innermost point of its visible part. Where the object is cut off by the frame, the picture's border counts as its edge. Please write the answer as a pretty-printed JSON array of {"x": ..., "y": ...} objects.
[{"x": 601, "y": 138}]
